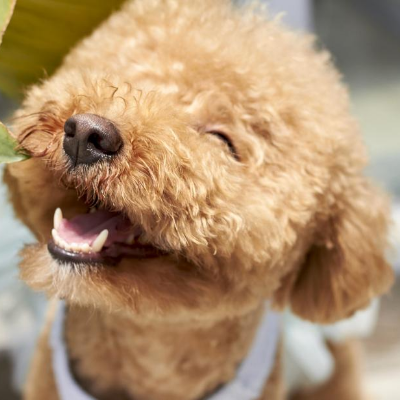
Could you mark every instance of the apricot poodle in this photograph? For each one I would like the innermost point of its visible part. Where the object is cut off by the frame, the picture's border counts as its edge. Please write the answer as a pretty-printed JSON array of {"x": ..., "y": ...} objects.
[{"x": 191, "y": 160}]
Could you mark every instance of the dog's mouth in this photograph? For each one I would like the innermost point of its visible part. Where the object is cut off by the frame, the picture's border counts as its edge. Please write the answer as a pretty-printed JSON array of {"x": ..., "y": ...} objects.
[{"x": 98, "y": 237}]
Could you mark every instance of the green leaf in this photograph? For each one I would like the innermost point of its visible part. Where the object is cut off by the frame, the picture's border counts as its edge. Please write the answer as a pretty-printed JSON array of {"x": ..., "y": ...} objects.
[
  {"x": 40, "y": 33},
  {"x": 8, "y": 147},
  {"x": 6, "y": 10}
]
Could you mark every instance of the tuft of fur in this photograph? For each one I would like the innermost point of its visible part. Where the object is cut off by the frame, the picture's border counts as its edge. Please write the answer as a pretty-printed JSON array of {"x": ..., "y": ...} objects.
[{"x": 291, "y": 218}]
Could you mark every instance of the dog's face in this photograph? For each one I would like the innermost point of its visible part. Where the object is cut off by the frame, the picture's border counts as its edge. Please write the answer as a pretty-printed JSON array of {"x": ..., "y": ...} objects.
[{"x": 199, "y": 167}]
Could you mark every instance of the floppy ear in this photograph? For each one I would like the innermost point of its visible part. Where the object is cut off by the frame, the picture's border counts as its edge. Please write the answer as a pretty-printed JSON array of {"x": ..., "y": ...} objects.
[{"x": 345, "y": 268}]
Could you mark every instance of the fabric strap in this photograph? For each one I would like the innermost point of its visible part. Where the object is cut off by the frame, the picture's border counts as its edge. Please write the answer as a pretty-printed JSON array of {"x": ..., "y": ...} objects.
[
  {"x": 67, "y": 388},
  {"x": 248, "y": 384}
]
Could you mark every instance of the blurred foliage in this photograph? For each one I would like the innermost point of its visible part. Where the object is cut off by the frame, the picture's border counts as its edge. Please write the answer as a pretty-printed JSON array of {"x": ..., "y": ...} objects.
[
  {"x": 40, "y": 33},
  {"x": 6, "y": 10}
]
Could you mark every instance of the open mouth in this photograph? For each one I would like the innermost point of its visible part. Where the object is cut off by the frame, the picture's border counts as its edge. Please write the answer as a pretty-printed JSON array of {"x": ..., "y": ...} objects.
[{"x": 98, "y": 237}]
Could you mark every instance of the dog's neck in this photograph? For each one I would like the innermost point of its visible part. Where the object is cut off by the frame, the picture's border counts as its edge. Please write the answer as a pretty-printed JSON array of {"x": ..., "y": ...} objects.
[{"x": 117, "y": 357}]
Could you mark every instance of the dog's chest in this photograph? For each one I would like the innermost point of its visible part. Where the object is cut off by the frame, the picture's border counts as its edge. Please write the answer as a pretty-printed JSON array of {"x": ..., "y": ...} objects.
[{"x": 111, "y": 356}]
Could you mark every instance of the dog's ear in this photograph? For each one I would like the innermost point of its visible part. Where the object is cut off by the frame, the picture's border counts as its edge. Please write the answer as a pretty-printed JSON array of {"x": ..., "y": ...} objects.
[{"x": 345, "y": 267}]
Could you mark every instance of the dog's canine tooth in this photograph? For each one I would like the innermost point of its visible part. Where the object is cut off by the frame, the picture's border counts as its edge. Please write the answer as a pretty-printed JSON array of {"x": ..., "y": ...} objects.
[
  {"x": 93, "y": 210},
  {"x": 100, "y": 240},
  {"x": 55, "y": 236},
  {"x": 58, "y": 217}
]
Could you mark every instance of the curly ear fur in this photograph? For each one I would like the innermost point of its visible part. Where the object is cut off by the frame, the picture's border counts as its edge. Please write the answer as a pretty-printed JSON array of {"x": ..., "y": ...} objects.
[{"x": 345, "y": 267}]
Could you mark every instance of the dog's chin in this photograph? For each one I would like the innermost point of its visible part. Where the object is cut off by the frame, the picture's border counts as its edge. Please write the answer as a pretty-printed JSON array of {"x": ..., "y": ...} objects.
[
  {"x": 164, "y": 288},
  {"x": 109, "y": 284}
]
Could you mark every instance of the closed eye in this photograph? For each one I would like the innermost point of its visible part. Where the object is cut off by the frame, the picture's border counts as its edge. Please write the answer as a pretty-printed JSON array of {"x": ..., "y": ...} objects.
[{"x": 225, "y": 138}]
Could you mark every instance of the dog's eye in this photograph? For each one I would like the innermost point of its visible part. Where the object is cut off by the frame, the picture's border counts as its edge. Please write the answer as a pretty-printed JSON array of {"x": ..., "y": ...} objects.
[{"x": 225, "y": 138}]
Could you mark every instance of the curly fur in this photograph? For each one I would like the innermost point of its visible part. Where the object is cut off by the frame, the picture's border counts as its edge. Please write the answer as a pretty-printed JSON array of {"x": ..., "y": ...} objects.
[{"x": 291, "y": 218}]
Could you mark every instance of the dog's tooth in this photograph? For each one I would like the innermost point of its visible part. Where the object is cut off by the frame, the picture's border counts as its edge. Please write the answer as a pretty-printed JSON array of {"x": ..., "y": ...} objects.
[
  {"x": 75, "y": 247},
  {"x": 85, "y": 248},
  {"x": 80, "y": 248},
  {"x": 100, "y": 241},
  {"x": 58, "y": 217},
  {"x": 64, "y": 244},
  {"x": 92, "y": 210},
  {"x": 130, "y": 239},
  {"x": 60, "y": 242},
  {"x": 57, "y": 239},
  {"x": 55, "y": 236}
]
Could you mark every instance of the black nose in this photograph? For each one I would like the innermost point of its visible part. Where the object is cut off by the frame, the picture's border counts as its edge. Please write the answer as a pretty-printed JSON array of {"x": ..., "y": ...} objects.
[{"x": 90, "y": 138}]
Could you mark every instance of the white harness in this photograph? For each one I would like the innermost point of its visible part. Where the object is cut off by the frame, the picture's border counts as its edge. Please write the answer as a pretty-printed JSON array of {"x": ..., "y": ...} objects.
[{"x": 248, "y": 383}]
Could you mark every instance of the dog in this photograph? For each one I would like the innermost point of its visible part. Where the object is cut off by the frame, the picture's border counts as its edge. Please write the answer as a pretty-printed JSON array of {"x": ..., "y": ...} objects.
[{"x": 191, "y": 161}]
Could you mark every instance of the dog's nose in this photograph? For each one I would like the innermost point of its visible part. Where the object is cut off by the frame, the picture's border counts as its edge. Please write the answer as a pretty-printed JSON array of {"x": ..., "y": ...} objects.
[{"x": 90, "y": 138}]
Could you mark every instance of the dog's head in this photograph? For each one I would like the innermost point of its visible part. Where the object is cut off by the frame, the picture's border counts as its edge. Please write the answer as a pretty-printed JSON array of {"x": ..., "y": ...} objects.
[{"x": 203, "y": 159}]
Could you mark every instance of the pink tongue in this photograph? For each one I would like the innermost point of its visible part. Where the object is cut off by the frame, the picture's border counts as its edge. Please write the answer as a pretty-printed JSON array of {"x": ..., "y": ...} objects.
[{"x": 86, "y": 227}]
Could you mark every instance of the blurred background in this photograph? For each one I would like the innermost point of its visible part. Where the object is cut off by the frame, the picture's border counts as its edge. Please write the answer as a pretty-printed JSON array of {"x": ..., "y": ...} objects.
[{"x": 364, "y": 39}]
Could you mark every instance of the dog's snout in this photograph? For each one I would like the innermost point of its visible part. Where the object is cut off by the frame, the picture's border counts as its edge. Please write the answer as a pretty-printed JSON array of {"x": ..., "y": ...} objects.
[{"x": 90, "y": 138}]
